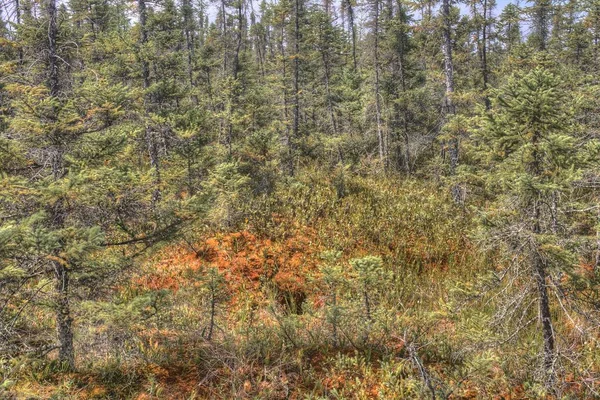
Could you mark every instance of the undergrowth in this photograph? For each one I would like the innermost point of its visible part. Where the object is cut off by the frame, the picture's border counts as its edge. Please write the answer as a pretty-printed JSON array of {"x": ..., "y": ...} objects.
[{"x": 331, "y": 287}]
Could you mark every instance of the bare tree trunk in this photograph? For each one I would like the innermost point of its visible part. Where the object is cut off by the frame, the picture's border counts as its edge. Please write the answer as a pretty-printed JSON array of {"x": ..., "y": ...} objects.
[
  {"x": 352, "y": 32},
  {"x": 327, "y": 7},
  {"x": 596, "y": 34},
  {"x": 405, "y": 133},
  {"x": 448, "y": 65},
  {"x": 416, "y": 360},
  {"x": 200, "y": 18},
  {"x": 380, "y": 139},
  {"x": 259, "y": 43},
  {"x": 224, "y": 35},
  {"x": 328, "y": 93},
  {"x": 296, "y": 126},
  {"x": 287, "y": 138},
  {"x": 450, "y": 108},
  {"x": 407, "y": 160},
  {"x": 53, "y": 59},
  {"x": 400, "y": 72},
  {"x": 236, "y": 59}
]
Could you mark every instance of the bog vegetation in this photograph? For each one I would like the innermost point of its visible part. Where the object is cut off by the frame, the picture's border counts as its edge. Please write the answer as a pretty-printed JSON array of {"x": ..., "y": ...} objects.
[{"x": 299, "y": 199}]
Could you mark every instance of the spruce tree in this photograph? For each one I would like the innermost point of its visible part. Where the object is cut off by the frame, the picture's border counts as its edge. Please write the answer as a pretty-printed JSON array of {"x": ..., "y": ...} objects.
[
  {"x": 532, "y": 158},
  {"x": 71, "y": 181}
]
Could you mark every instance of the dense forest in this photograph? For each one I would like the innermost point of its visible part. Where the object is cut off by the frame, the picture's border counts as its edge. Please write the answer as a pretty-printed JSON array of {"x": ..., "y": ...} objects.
[{"x": 299, "y": 199}]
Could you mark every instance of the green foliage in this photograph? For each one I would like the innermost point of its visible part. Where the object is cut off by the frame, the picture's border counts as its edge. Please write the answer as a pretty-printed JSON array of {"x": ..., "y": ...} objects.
[
  {"x": 129, "y": 129},
  {"x": 532, "y": 161},
  {"x": 228, "y": 187}
]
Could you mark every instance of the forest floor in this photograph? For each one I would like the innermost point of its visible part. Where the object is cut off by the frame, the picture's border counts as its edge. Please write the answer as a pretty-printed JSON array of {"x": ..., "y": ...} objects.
[{"x": 271, "y": 302}]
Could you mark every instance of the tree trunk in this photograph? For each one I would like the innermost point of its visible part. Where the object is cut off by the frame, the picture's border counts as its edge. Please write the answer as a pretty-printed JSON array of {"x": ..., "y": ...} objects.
[
  {"x": 325, "y": 58},
  {"x": 53, "y": 59},
  {"x": 260, "y": 44},
  {"x": 596, "y": 34},
  {"x": 484, "y": 66},
  {"x": 380, "y": 139},
  {"x": 450, "y": 108},
  {"x": 64, "y": 321},
  {"x": 352, "y": 32},
  {"x": 448, "y": 65},
  {"x": 143, "y": 39},
  {"x": 399, "y": 66},
  {"x": 296, "y": 126},
  {"x": 224, "y": 35},
  {"x": 541, "y": 20},
  {"x": 150, "y": 134},
  {"x": 539, "y": 269},
  {"x": 66, "y": 352},
  {"x": 189, "y": 42},
  {"x": 236, "y": 60},
  {"x": 18, "y": 17},
  {"x": 545, "y": 317},
  {"x": 327, "y": 7},
  {"x": 287, "y": 140}
]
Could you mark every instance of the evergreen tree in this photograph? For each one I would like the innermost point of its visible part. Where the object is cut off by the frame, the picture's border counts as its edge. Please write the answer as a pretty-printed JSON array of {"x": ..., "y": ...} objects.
[
  {"x": 509, "y": 27},
  {"x": 527, "y": 148},
  {"x": 541, "y": 18}
]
